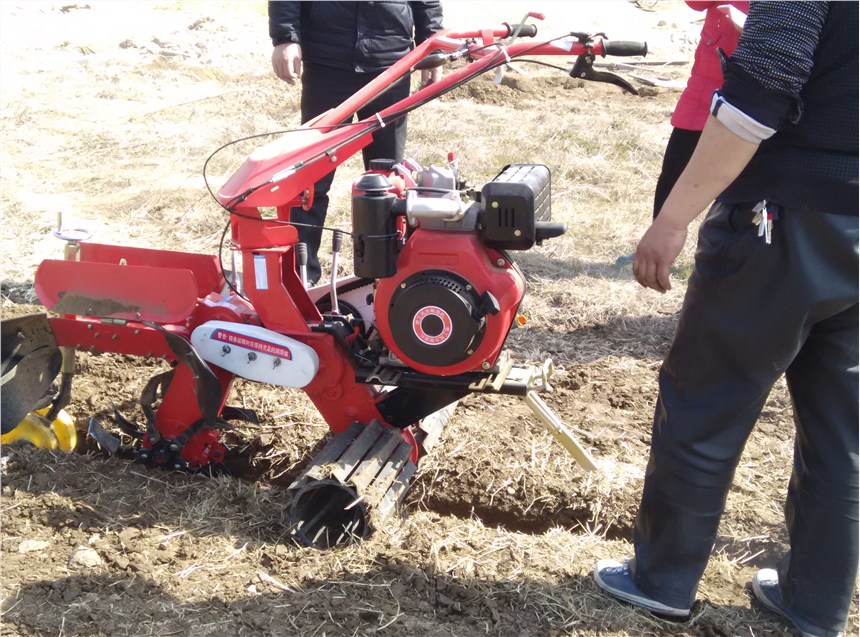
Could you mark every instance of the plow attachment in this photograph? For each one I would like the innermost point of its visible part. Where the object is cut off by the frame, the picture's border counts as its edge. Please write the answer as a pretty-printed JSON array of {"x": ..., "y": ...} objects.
[{"x": 31, "y": 361}]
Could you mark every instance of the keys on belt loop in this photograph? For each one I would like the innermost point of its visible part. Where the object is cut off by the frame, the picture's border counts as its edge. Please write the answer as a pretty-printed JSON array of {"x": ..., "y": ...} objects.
[{"x": 765, "y": 215}]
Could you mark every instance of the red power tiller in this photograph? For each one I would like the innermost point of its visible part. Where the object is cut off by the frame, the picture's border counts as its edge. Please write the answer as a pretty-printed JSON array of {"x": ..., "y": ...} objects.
[{"x": 384, "y": 354}]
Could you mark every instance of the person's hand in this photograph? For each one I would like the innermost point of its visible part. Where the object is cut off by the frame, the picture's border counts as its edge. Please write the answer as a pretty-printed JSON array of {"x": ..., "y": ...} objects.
[
  {"x": 657, "y": 250},
  {"x": 429, "y": 76},
  {"x": 287, "y": 61}
]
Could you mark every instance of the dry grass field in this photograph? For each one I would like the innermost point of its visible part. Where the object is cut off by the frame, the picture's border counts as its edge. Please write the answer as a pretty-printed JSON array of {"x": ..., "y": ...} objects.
[{"x": 108, "y": 112}]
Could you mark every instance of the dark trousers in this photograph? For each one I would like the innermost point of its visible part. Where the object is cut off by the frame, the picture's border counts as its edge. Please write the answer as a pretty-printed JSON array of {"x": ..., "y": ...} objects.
[
  {"x": 679, "y": 149},
  {"x": 753, "y": 312},
  {"x": 324, "y": 88}
]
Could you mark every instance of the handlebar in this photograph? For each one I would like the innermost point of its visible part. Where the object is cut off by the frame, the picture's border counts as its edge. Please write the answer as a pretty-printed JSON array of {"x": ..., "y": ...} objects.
[
  {"x": 525, "y": 30},
  {"x": 624, "y": 47},
  {"x": 285, "y": 168}
]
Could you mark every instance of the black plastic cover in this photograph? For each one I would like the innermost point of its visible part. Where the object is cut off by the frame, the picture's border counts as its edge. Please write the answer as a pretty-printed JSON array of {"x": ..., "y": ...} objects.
[
  {"x": 381, "y": 164},
  {"x": 624, "y": 48},
  {"x": 374, "y": 228},
  {"x": 453, "y": 300}
]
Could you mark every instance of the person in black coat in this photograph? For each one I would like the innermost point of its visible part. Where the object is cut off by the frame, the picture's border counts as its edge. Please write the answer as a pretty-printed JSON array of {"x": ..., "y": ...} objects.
[{"x": 336, "y": 48}]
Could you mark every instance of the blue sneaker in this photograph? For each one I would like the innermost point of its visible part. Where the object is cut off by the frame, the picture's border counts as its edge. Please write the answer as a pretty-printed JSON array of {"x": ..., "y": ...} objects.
[
  {"x": 614, "y": 577},
  {"x": 765, "y": 586}
]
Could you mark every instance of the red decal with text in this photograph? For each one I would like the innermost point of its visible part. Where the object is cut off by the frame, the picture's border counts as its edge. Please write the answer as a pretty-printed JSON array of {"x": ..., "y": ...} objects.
[{"x": 249, "y": 342}]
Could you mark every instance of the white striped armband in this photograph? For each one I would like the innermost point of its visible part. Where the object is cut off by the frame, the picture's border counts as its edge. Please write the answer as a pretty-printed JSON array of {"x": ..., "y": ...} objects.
[{"x": 739, "y": 122}]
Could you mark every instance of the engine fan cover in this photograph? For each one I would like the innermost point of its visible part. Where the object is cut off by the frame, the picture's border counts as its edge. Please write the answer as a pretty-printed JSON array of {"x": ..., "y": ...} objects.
[
  {"x": 435, "y": 318},
  {"x": 451, "y": 304}
]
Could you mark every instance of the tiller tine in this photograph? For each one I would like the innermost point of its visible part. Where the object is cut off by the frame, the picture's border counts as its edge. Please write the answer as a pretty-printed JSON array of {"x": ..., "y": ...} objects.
[
  {"x": 108, "y": 441},
  {"x": 155, "y": 387},
  {"x": 165, "y": 457},
  {"x": 129, "y": 428},
  {"x": 29, "y": 362},
  {"x": 163, "y": 454},
  {"x": 241, "y": 414},
  {"x": 360, "y": 477},
  {"x": 170, "y": 444}
]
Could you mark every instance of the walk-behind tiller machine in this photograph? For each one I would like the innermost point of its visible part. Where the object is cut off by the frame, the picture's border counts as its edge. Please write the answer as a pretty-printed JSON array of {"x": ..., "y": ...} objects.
[{"x": 384, "y": 354}]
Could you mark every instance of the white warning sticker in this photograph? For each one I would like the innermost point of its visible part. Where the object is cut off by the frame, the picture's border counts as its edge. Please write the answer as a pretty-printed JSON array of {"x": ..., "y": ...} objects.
[
  {"x": 261, "y": 277},
  {"x": 565, "y": 43}
]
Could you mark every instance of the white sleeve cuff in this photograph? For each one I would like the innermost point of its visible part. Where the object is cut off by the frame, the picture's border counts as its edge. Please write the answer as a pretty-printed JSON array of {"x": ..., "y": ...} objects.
[{"x": 739, "y": 122}]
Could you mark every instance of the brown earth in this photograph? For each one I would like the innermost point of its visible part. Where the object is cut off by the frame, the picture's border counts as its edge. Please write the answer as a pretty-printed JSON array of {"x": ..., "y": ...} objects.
[{"x": 501, "y": 529}]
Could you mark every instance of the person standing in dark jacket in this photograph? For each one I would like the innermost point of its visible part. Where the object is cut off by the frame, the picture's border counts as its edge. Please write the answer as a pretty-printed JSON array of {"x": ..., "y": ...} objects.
[
  {"x": 337, "y": 48},
  {"x": 774, "y": 291}
]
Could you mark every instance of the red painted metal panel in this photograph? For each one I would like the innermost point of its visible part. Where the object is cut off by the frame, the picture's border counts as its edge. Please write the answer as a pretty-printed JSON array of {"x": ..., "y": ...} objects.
[
  {"x": 91, "y": 335},
  {"x": 206, "y": 269},
  {"x": 277, "y": 294},
  {"x": 164, "y": 295}
]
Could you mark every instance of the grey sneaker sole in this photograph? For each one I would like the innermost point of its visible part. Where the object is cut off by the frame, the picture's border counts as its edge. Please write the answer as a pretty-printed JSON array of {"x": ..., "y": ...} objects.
[
  {"x": 638, "y": 600},
  {"x": 762, "y": 597}
]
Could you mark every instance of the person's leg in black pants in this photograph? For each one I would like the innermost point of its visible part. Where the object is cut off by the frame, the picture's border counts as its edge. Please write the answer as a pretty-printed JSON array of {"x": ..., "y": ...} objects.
[
  {"x": 679, "y": 149},
  {"x": 753, "y": 311},
  {"x": 816, "y": 577},
  {"x": 324, "y": 88},
  {"x": 388, "y": 142}
]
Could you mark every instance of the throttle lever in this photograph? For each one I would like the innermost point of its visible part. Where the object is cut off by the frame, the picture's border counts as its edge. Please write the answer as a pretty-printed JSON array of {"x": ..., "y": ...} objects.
[{"x": 583, "y": 69}]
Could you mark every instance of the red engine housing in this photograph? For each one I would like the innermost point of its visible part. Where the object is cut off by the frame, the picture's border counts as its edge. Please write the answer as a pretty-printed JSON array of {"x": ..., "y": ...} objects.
[{"x": 451, "y": 304}]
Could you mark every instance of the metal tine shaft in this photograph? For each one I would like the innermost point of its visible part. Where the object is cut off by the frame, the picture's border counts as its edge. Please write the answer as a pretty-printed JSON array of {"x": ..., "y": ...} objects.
[
  {"x": 333, "y": 449},
  {"x": 126, "y": 426},
  {"x": 397, "y": 492}
]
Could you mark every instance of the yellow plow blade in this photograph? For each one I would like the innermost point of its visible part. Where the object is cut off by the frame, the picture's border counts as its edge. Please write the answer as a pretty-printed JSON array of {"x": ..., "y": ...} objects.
[{"x": 35, "y": 429}]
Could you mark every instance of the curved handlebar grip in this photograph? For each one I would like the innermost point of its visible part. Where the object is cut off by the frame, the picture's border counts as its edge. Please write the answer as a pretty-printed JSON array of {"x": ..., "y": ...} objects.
[
  {"x": 625, "y": 47},
  {"x": 526, "y": 30},
  {"x": 432, "y": 61}
]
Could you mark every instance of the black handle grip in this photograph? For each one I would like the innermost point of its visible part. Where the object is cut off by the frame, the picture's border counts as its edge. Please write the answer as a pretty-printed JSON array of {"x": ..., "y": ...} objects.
[
  {"x": 301, "y": 253},
  {"x": 548, "y": 230},
  {"x": 525, "y": 30},
  {"x": 431, "y": 61},
  {"x": 625, "y": 47}
]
